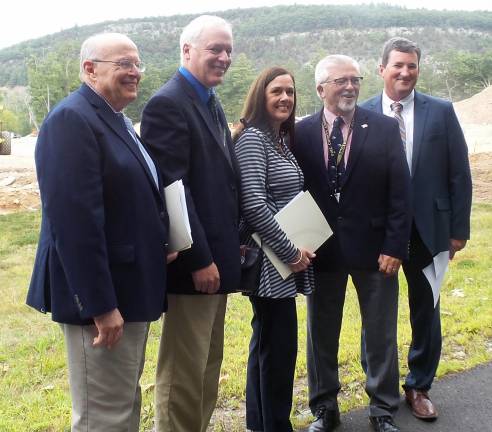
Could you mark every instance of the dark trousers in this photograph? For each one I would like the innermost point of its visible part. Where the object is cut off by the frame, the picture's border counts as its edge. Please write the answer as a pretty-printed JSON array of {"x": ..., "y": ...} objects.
[
  {"x": 271, "y": 364},
  {"x": 378, "y": 302},
  {"x": 425, "y": 349}
]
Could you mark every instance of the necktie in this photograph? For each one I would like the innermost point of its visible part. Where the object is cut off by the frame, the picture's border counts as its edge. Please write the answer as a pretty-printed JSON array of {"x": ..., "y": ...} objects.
[
  {"x": 150, "y": 163},
  {"x": 397, "y": 108},
  {"x": 213, "y": 106},
  {"x": 336, "y": 169}
]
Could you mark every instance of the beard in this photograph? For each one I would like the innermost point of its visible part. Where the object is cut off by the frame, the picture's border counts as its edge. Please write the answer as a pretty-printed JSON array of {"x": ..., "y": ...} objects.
[{"x": 347, "y": 106}]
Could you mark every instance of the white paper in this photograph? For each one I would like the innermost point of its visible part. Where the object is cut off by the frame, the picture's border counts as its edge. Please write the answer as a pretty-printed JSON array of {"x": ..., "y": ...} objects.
[
  {"x": 179, "y": 223},
  {"x": 435, "y": 273},
  {"x": 304, "y": 225}
]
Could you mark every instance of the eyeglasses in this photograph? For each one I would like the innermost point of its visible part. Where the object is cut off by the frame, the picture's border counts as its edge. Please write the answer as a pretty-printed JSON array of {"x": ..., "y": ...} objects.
[
  {"x": 126, "y": 65},
  {"x": 342, "y": 82}
]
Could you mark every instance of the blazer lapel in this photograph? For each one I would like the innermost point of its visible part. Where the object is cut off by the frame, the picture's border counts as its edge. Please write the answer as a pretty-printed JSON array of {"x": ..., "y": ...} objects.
[
  {"x": 222, "y": 141},
  {"x": 420, "y": 109},
  {"x": 105, "y": 113},
  {"x": 359, "y": 135},
  {"x": 316, "y": 138}
]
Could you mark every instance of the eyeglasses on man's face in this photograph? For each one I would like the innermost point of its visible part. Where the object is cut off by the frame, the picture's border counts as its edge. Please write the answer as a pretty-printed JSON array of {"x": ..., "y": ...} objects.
[
  {"x": 343, "y": 82},
  {"x": 126, "y": 65}
]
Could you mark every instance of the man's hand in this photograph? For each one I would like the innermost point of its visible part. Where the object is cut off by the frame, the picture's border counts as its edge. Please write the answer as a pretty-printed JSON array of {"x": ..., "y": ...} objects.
[
  {"x": 109, "y": 327},
  {"x": 455, "y": 246},
  {"x": 388, "y": 265},
  {"x": 171, "y": 257},
  {"x": 207, "y": 280}
]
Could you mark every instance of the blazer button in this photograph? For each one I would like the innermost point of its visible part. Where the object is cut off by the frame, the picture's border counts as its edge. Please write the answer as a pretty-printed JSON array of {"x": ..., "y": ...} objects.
[
  {"x": 162, "y": 215},
  {"x": 339, "y": 218}
]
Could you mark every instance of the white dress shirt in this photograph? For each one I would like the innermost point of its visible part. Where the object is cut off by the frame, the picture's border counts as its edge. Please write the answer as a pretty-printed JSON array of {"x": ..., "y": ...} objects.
[{"x": 407, "y": 114}]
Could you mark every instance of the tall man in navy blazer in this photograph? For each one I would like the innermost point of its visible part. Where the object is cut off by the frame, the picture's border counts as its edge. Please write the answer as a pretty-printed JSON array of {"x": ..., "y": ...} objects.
[
  {"x": 100, "y": 265},
  {"x": 187, "y": 131},
  {"x": 437, "y": 157},
  {"x": 363, "y": 191}
]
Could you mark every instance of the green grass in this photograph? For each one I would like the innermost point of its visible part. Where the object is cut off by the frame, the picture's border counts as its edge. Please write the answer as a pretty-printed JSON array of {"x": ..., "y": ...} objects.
[{"x": 33, "y": 382}]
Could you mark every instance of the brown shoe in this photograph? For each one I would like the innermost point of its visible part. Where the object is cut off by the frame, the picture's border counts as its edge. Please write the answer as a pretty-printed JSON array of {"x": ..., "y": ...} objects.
[{"x": 420, "y": 404}]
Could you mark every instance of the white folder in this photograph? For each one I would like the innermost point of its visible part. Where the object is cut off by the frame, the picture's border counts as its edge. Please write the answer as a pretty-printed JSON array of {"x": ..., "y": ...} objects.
[
  {"x": 179, "y": 224},
  {"x": 304, "y": 225}
]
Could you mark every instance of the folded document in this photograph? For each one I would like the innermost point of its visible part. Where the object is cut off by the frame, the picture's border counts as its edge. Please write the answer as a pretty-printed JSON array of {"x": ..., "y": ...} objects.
[
  {"x": 179, "y": 224},
  {"x": 304, "y": 225}
]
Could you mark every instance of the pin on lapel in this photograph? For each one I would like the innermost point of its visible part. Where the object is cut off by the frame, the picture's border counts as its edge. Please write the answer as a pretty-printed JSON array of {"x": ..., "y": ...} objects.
[{"x": 363, "y": 126}]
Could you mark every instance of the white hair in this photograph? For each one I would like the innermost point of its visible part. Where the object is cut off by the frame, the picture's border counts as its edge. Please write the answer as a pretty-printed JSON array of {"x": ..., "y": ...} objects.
[
  {"x": 192, "y": 32},
  {"x": 95, "y": 45},
  {"x": 326, "y": 64}
]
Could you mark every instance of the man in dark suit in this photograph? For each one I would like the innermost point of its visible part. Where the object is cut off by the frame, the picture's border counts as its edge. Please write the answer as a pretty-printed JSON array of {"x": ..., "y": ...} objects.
[
  {"x": 354, "y": 167},
  {"x": 437, "y": 157},
  {"x": 186, "y": 128},
  {"x": 100, "y": 265}
]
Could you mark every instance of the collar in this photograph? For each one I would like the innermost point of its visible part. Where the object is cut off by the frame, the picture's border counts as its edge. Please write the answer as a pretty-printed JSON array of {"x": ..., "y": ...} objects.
[
  {"x": 406, "y": 101},
  {"x": 202, "y": 91},
  {"x": 330, "y": 117},
  {"x": 103, "y": 98}
]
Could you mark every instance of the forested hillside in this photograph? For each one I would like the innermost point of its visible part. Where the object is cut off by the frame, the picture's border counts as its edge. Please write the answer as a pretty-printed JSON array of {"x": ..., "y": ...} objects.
[{"x": 457, "y": 49}]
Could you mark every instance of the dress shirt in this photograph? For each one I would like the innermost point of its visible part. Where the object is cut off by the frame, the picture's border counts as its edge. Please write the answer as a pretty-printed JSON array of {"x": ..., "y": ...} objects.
[
  {"x": 407, "y": 114},
  {"x": 330, "y": 118},
  {"x": 135, "y": 138},
  {"x": 202, "y": 91}
]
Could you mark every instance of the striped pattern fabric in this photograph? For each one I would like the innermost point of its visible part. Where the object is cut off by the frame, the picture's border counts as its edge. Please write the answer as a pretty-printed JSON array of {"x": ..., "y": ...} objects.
[
  {"x": 270, "y": 178},
  {"x": 397, "y": 108}
]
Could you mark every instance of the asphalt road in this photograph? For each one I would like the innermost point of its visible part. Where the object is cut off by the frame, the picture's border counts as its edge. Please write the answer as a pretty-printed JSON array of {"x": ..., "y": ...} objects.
[{"x": 464, "y": 403}]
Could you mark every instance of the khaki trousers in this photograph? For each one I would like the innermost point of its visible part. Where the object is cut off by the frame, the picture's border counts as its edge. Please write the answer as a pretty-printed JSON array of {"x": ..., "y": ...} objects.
[
  {"x": 188, "y": 366},
  {"x": 104, "y": 383}
]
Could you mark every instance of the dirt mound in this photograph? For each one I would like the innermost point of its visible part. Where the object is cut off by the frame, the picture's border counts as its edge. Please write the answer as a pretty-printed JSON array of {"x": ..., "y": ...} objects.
[{"x": 477, "y": 109}]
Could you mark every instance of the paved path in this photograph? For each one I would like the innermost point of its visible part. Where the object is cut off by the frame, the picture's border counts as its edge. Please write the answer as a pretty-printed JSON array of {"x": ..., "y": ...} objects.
[{"x": 464, "y": 402}]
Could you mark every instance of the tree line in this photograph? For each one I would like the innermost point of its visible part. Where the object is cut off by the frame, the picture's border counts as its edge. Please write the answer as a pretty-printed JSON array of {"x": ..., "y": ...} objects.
[{"x": 452, "y": 75}]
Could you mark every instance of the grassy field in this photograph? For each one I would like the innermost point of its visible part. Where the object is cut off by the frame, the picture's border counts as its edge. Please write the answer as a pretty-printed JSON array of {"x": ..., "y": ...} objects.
[{"x": 33, "y": 383}]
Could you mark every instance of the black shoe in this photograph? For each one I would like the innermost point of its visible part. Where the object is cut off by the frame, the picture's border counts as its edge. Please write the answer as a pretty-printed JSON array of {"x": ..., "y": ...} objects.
[
  {"x": 383, "y": 424},
  {"x": 326, "y": 420}
]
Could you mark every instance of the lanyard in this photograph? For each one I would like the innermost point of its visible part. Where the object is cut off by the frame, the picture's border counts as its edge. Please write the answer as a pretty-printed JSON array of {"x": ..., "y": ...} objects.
[{"x": 341, "y": 152}]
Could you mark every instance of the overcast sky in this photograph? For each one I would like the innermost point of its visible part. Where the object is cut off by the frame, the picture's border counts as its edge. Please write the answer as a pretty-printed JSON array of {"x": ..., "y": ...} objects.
[{"x": 28, "y": 19}]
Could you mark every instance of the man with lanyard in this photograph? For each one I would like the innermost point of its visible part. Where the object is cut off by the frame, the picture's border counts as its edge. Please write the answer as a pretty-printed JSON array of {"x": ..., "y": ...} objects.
[{"x": 355, "y": 168}]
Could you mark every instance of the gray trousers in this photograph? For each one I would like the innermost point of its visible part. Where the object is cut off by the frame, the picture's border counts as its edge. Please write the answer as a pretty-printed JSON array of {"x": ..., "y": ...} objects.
[
  {"x": 378, "y": 302},
  {"x": 104, "y": 383}
]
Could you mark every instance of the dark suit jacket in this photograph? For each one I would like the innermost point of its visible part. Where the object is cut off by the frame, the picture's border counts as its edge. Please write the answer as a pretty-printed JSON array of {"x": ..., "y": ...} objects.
[
  {"x": 441, "y": 179},
  {"x": 181, "y": 134},
  {"x": 372, "y": 217},
  {"x": 104, "y": 227}
]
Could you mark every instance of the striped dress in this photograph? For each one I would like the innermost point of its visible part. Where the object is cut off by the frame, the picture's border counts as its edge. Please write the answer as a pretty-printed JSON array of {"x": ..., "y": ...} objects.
[{"x": 270, "y": 178}]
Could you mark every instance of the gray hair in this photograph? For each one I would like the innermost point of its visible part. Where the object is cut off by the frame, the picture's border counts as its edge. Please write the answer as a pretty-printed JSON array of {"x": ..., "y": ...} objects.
[
  {"x": 192, "y": 32},
  {"x": 95, "y": 45},
  {"x": 399, "y": 44},
  {"x": 324, "y": 66}
]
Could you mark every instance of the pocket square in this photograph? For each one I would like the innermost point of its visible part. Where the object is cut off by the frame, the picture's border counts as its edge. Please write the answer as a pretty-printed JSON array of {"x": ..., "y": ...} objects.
[{"x": 363, "y": 126}]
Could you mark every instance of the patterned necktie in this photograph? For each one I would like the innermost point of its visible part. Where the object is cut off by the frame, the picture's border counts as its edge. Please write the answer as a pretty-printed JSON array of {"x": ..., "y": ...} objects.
[
  {"x": 397, "y": 108},
  {"x": 336, "y": 140},
  {"x": 213, "y": 106}
]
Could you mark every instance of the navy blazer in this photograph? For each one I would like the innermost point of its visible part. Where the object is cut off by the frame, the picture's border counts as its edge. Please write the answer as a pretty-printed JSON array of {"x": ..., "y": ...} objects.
[
  {"x": 441, "y": 179},
  {"x": 372, "y": 217},
  {"x": 181, "y": 133},
  {"x": 104, "y": 223}
]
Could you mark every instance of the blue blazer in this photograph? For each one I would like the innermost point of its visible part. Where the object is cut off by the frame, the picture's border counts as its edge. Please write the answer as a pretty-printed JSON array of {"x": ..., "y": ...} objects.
[
  {"x": 104, "y": 223},
  {"x": 372, "y": 217},
  {"x": 181, "y": 133},
  {"x": 441, "y": 180}
]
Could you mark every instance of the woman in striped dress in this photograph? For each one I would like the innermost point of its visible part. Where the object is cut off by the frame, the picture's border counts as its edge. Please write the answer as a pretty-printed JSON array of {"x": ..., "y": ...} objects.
[{"x": 270, "y": 178}]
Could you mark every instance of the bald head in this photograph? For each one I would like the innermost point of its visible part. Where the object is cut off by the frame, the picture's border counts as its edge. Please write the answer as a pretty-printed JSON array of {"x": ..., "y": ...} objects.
[
  {"x": 111, "y": 65},
  {"x": 101, "y": 45}
]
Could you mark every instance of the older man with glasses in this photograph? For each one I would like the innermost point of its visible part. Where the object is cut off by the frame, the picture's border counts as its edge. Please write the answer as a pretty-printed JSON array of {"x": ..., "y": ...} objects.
[
  {"x": 101, "y": 261},
  {"x": 354, "y": 167}
]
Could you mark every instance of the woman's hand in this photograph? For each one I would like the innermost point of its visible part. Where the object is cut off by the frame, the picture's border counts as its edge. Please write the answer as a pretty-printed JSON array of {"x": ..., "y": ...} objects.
[{"x": 302, "y": 261}]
